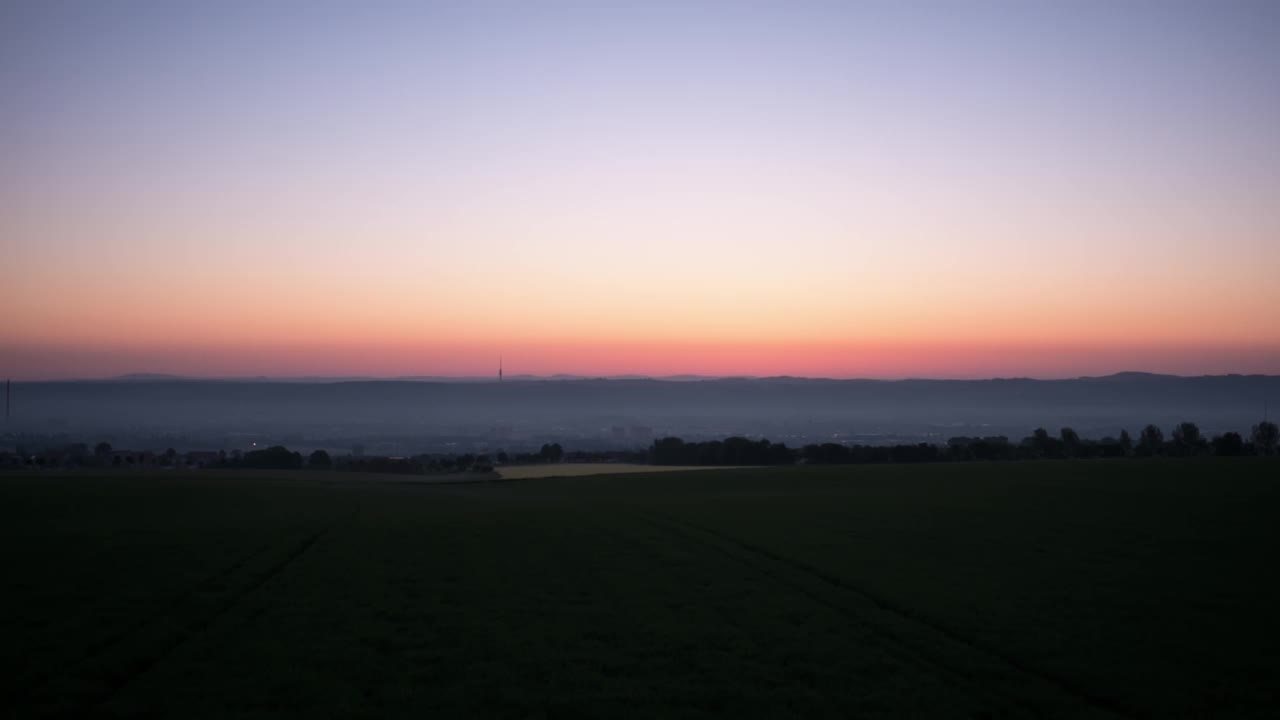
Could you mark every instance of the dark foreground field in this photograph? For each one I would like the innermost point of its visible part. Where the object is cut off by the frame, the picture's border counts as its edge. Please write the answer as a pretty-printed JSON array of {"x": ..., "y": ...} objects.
[{"x": 1063, "y": 589}]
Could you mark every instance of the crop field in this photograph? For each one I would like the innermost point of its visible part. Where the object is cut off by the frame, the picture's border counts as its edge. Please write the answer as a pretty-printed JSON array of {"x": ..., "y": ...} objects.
[
  {"x": 529, "y": 472},
  {"x": 1062, "y": 589}
]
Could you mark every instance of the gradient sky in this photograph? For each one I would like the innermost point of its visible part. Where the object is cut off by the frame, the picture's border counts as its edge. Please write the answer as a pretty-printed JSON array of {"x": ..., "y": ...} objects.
[{"x": 953, "y": 189}]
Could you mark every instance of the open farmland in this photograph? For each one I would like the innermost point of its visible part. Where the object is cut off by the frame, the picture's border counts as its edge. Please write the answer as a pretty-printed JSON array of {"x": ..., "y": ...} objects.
[
  {"x": 529, "y": 472},
  {"x": 1129, "y": 588}
]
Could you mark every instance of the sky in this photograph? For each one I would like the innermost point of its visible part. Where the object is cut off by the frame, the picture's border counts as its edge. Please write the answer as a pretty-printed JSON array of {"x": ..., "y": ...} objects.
[{"x": 853, "y": 189}]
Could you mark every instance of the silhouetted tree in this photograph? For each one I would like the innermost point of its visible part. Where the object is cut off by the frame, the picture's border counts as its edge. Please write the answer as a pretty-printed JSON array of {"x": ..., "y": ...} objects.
[
  {"x": 1265, "y": 437},
  {"x": 1126, "y": 443},
  {"x": 170, "y": 456},
  {"x": 1107, "y": 447},
  {"x": 1151, "y": 442},
  {"x": 1228, "y": 444},
  {"x": 102, "y": 450},
  {"x": 1070, "y": 442},
  {"x": 502, "y": 456},
  {"x": 320, "y": 460},
  {"x": 826, "y": 454},
  {"x": 780, "y": 454},
  {"x": 551, "y": 452},
  {"x": 666, "y": 451},
  {"x": 1041, "y": 441},
  {"x": 1186, "y": 436},
  {"x": 276, "y": 457},
  {"x": 1045, "y": 445}
]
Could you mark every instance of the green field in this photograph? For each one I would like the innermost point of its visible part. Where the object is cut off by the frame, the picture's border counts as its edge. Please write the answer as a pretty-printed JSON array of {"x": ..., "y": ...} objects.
[{"x": 1130, "y": 588}]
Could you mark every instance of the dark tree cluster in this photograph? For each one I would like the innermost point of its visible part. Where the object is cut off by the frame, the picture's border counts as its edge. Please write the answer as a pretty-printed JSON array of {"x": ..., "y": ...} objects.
[
  {"x": 1186, "y": 440},
  {"x": 466, "y": 462},
  {"x": 1068, "y": 444},
  {"x": 276, "y": 457},
  {"x": 415, "y": 465},
  {"x": 548, "y": 453},
  {"x": 607, "y": 456},
  {"x": 551, "y": 453},
  {"x": 837, "y": 454},
  {"x": 377, "y": 464},
  {"x": 1266, "y": 437},
  {"x": 730, "y": 451}
]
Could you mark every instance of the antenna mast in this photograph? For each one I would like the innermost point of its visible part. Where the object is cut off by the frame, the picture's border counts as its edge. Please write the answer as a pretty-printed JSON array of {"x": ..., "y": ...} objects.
[{"x": 499, "y": 368}]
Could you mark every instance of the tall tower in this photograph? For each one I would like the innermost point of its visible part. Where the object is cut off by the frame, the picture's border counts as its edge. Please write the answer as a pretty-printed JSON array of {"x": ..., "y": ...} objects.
[
  {"x": 499, "y": 369},
  {"x": 6, "y": 401}
]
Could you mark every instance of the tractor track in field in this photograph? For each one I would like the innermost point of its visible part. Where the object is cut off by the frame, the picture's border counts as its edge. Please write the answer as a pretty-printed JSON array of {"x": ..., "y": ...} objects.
[
  {"x": 198, "y": 627},
  {"x": 776, "y": 567},
  {"x": 208, "y": 582},
  {"x": 900, "y": 648},
  {"x": 114, "y": 640}
]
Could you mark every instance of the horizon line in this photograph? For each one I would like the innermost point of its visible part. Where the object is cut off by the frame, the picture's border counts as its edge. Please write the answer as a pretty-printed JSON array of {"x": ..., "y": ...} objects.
[{"x": 676, "y": 377}]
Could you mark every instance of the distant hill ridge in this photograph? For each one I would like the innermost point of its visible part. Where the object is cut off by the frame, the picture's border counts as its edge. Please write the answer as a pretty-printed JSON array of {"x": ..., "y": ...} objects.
[
  {"x": 1128, "y": 375},
  {"x": 1134, "y": 398}
]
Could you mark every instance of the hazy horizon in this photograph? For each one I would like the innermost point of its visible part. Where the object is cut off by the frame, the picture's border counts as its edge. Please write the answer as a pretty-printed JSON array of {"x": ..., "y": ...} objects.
[
  {"x": 24, "y": 365},
  {"x": 520, "y": 377}
]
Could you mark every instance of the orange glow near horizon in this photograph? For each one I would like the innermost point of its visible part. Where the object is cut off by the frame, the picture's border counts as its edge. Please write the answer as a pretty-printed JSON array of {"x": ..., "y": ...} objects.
[
  {"x": 756, "y": 190},
  {"x": 898, "y": 315},
  {"x": 229, "y": 322}
]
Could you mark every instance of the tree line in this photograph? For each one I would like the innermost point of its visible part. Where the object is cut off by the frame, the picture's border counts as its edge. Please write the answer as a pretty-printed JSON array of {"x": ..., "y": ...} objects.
[
  {"x": 279, "y": 457},
  {"x": 1185, "y": 440}
]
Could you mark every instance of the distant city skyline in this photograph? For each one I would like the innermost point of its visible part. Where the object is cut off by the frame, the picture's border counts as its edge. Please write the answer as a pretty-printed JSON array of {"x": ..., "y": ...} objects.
[{"x": 863, "y": 189}]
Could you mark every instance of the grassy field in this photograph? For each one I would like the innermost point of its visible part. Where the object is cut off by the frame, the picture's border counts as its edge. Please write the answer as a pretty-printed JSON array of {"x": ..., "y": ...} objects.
[
  {"x": 529, "y": 472},
  {"x": 1141, "y": 589}
]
